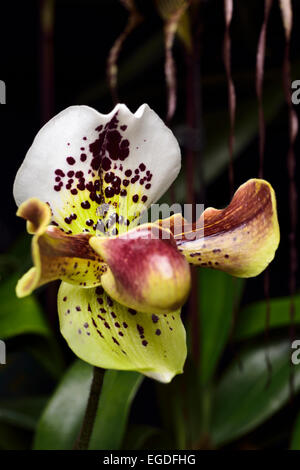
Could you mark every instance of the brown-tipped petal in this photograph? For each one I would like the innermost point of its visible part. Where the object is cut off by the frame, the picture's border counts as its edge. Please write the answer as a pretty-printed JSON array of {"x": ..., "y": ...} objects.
[
  {"x": 240, "y": 239},
  {"x": 36, "y": 213},
  {"x": 57, "y": 255},
  {"x": 147, "y": 272}
]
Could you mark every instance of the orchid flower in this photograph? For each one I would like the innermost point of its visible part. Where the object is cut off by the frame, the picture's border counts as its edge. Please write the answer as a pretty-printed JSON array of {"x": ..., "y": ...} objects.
[{"x": 82, "y": 188}]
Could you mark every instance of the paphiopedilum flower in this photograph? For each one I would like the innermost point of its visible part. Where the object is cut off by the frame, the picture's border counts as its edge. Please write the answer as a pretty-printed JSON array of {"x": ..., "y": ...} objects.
[{"x": 82, "y": 187}]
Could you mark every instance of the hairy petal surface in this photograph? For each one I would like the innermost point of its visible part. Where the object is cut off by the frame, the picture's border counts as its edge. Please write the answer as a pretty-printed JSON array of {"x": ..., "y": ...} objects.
[
  {"x": 240, "y": 239},
  {"x": 106, "y": 334},
  {"x": 55, "y": 254},
  {"x": 82, "y": 159},
  {"x": 146, "y": 271}
]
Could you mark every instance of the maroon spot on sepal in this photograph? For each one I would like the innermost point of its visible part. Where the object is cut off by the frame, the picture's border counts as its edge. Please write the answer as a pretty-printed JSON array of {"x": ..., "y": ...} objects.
[
  {"x": 71, "y": 160},
  {"x": 132, "y": 311},
  {"x": 85, "y": 205}
]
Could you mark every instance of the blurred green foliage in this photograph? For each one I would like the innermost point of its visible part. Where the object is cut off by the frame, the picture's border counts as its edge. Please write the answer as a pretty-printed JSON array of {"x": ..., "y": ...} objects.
[
  {"x": 295, "y": 443},
  {"x": 61, "y": 420},
  {"x": 249, "y": 392},
  {"x": 252, "y": 318}
]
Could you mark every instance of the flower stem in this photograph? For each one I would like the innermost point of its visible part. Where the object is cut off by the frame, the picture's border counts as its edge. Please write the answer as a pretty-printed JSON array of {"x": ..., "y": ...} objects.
[{"x": 83, "y": 439}]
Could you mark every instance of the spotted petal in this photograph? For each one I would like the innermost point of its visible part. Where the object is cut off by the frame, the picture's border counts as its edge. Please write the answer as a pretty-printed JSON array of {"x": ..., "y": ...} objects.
[
  {"x": 146, "y": 271},
  {"x": 55, "y": 254},
  {"x": 82, "y": 159},
  {"x": 104, "y": 333},
  {"x": 240, "y": 239}
]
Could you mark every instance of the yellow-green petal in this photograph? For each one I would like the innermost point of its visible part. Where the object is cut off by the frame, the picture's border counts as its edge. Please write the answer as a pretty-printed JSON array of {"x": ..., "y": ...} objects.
[{"x": 106, "y": 334}]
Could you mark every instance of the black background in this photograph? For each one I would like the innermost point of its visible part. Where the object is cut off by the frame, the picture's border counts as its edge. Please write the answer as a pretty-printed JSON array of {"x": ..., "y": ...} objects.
[{"x": 84, "y": 32}]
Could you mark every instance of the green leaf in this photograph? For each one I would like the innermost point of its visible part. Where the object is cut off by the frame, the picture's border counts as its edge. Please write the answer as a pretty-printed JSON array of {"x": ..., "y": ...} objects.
[
  {"x": 252, "y": 319},
  {"x": 61, "y": 420},
  {"x": 181, "y": 408},
  {"x": 295, "y": 443},
  {"x": 48, "y": 354},
  {"x": 18, "y": 259},
  {"x": 19, "y": 316},
  {"x": 118, "y": 391},
  {"x": 25, "y": 316},
  {"x": 219, "y": 296},
  {"x": 248, "y": 395},
  {"x": 22, "y": 412}
]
